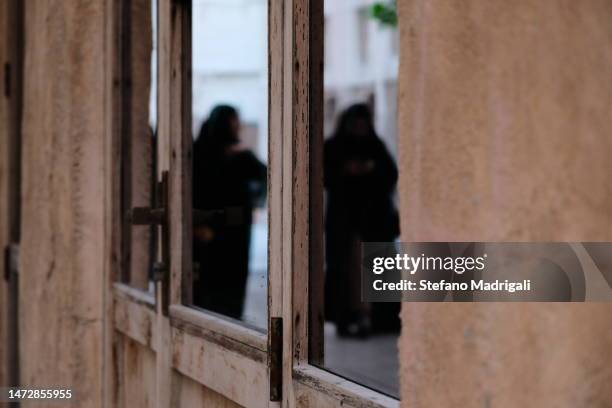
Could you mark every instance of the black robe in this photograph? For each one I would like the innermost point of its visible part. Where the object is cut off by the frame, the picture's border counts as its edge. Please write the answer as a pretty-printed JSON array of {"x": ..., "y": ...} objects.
[
  {"x": 357, "y": 206},
  {"x": 236, "y": 181}
]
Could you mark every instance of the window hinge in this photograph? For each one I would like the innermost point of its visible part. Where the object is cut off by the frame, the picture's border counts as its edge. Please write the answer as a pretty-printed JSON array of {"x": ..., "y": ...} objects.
[
  {"x": 158, "y": 215},
  {"x": 11, "y": 261},
  {"x": 7, "y": 80},
  {"x": 276, "y": 358}
]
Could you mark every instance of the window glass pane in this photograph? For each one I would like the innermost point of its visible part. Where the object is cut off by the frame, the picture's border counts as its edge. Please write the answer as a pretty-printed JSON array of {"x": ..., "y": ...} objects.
[
  {"x": 360, "y": 175},
  {"x": 230, "y": 132},
  {"x": 138, "y": 130}
]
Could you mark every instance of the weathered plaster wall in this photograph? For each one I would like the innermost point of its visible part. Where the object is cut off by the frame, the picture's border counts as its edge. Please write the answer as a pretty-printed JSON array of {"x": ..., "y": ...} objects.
[
  {"x": 505, "y": 110},
  {"x": 62, "y": 245}
]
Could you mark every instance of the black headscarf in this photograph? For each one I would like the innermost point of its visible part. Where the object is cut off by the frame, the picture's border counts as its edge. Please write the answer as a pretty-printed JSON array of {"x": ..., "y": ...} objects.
[
  {"x": 347, "y": 142},
  {"x": 346, "y": 145},
  {"x": 356, "y": 111},
  {"x": 216, "y": 132}
]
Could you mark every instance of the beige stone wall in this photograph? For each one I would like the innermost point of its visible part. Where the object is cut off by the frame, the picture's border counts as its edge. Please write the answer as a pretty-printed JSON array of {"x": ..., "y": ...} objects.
[
  {"x": 62, "y": 242},
  {"x": 505, "y": 112}
]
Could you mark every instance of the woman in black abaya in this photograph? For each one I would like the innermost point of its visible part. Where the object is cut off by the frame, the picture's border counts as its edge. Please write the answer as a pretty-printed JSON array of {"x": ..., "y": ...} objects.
[
  {"x": 229, "y": 178},
  {"x": 360, "y": 179}
]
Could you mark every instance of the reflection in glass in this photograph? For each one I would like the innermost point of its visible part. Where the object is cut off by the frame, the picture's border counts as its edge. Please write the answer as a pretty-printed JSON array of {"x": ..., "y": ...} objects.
[
  {"x": 229, "y": 94},
  {"x": 360, "y": 177},
  {"x": 138, "y": 128}
]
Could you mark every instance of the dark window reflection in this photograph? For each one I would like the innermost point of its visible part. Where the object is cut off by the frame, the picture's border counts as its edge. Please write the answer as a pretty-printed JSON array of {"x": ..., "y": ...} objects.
[
  {"x": 360, "y": 177},
  {"x": 229, "y": 182},
  {"x": 229, "y": 67}
]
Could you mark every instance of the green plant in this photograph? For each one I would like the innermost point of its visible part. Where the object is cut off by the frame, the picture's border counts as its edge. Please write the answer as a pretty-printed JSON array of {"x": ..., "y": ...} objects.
[{"x": 385, "y": 12}]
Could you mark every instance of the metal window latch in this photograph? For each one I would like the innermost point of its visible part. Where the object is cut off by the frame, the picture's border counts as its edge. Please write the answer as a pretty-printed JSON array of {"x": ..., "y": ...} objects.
[
  {"x": 158, "y": 215},
  {"x": 276, "y": 358},
  {"x": 11, "y": 261}
]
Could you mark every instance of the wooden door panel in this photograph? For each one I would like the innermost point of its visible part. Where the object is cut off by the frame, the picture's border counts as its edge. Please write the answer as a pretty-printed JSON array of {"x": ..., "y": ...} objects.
[
  {"x": 136, "y": 374},
  {"x": 189, "y": 393},
  {"x": 134, "y": 315},
  {"x": 242, "y": 378}
]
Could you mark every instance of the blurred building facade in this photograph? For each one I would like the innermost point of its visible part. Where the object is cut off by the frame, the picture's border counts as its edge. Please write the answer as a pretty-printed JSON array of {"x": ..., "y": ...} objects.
[
  {"x": 361, "y": 62},
  {"x": 230, "y": 65}
]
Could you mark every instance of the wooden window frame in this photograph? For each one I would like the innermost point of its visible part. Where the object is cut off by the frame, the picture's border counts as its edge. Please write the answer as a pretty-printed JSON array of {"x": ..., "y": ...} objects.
[
  {"x": 12, "y": 30},
  {"x": 122, "y": 145},
  {"x": 211, "y": 350},
  {"x": 297, "y": 28}
]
